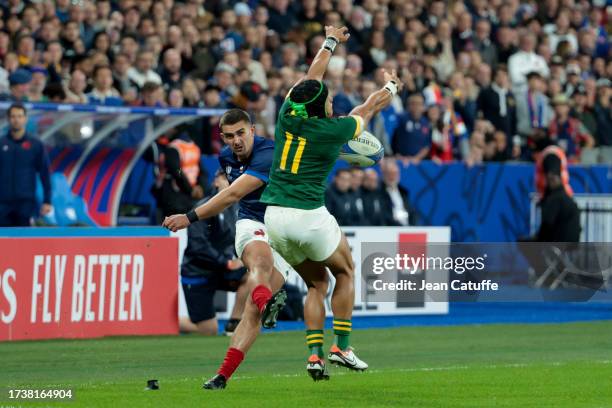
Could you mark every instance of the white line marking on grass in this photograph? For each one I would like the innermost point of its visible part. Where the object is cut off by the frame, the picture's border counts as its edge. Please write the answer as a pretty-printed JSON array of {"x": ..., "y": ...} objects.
[{"x": 429, "y": 369}]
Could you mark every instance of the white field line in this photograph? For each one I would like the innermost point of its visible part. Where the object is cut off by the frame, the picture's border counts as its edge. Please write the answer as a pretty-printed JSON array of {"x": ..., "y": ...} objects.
[{"x": 427, "y": 369}]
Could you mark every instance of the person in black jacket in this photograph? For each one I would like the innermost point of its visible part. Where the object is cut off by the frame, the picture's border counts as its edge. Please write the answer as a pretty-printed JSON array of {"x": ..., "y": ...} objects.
[
  {"x": 376, "y": 204},
  {"x": 22, "y": 158},
  {"x": 209, "y": 264},
  {"x": 560, "y": 214},
  {"x": 396, "y": 195},
  {"x": 496, "y": 103},
  {"x": 339, "y": 199}
]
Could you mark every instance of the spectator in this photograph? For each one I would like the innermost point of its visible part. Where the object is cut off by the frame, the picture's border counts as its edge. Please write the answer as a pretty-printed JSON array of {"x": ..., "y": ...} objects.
[
  {"x": 506, "y": 46},
  {"x": 22, "y": 158},
  {"x": 75, "y": 92},
  {"x": 209, "y": 265},
  {"x": 121, "y": 79},
  {"x": 603, "y": 113},
  {"x": 152, "y": 95},
  {"x": 171, "y": 72},
  {"x": 497, "y": 104},
  {"x": 573, "y": 79},
  {"x": 356, "y": 202},
  {"x": 338, "y": 198},
  {"x": 582, "y": 112},
  {"x": 497, "y": 147},
  {"x": 376, "y": 204},
  {"x": 569, "y": 133},
  {"x": 412, "y": 139},
  {"x": 20, "y": 85},
  {"x": 397, "y": 195},
  {"x": 103, "y": 92},
  {"x": 37, "y": 85},
  {"x": 483, "y": 43},
  {"x": 533, "y": 111},
  {"x": 526, "y": 61},
  {"x": 143, "y": 70},
  {"x": 463, "y": 36},
  {"x": 441, "y": 143}
]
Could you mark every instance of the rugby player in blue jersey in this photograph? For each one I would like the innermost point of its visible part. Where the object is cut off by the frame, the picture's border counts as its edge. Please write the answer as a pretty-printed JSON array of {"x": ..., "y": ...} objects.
[{"x": 246, "y": 161}]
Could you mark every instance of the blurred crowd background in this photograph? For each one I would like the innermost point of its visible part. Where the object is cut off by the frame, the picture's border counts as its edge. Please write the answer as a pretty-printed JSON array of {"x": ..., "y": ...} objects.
[{"x": 484, "y": 80}]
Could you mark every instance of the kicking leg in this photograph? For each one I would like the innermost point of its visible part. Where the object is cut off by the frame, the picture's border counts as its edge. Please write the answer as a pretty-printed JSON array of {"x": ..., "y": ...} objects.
[{"x": 243, "y": 338}]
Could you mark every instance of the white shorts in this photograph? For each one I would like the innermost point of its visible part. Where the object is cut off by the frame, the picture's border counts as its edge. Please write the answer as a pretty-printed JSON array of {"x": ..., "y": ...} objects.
[
  {"x": 248, "y": 231},
  {"x": 302, "y": 234}
]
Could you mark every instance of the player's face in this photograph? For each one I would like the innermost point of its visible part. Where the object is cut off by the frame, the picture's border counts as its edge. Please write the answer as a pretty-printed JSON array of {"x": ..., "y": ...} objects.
[
  {"x": 239, "y": 137},
  {"x": 328, "y": 107}
]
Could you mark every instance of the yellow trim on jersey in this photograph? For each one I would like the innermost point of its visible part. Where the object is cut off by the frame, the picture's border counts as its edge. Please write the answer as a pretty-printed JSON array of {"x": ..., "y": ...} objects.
[
  {"x": 358, "y": 127},
  {"x": 286, "y": 147},
  {"x": 298, "y": 155}
]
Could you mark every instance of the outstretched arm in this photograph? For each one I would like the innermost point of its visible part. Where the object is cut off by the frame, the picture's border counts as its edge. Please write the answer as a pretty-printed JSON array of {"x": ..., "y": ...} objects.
[
  {"x": 379, "y": 99},
  {"x": 333, "y": 37},
  {"x": 244, "y": 185}
]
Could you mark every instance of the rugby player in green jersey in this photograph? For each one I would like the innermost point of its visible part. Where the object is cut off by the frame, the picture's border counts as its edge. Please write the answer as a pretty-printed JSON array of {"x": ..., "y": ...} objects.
[{"x": 307, "y": 144}]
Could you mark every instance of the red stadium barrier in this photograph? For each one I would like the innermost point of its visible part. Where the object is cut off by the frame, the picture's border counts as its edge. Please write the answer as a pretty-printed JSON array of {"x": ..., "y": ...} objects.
[{"x": 87, "y": 287}]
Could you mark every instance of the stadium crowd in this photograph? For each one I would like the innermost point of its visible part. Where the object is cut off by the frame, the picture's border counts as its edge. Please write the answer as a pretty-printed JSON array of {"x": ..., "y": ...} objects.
[{"x": 485, "y": 80}]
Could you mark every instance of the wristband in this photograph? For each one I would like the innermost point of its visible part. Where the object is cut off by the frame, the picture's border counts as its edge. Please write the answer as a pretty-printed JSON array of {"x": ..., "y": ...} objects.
[
  {"x": 391, "y": 87},
  {"x": 330, "y": 43},
  {"x": 192, "y": 216}
]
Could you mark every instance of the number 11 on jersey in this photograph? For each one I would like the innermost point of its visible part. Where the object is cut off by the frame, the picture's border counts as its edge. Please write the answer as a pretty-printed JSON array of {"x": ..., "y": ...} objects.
[{"x": 298, "y": 153}]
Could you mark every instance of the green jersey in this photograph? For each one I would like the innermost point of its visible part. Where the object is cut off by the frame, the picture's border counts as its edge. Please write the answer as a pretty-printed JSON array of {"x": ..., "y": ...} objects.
[{"x": 305, "y": 151}]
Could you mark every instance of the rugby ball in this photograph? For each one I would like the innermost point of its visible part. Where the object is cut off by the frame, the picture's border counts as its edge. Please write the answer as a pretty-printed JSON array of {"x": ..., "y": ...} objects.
[{"x": 364, "y": 151}]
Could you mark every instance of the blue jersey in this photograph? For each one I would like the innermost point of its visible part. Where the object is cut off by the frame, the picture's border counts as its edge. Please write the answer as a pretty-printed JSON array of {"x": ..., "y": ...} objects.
[{"x": 258, "y": 165}]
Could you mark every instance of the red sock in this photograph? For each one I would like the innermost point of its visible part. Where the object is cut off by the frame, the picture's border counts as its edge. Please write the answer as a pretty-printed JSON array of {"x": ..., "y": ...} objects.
[
  {"x": 261, "y": 295},
  {"x": 232, "y": 360}
]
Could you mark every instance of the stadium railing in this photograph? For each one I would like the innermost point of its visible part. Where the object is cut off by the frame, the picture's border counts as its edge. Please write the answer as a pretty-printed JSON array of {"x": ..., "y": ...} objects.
[{"x": 95, "y": 148}]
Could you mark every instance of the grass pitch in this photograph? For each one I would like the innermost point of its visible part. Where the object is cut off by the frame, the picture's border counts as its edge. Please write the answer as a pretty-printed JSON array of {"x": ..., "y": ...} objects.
[{"x": 549, "y": 365}]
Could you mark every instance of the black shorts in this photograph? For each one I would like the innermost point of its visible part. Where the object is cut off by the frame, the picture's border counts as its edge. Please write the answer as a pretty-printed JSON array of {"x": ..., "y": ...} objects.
[{"x": 200, "y": 296}]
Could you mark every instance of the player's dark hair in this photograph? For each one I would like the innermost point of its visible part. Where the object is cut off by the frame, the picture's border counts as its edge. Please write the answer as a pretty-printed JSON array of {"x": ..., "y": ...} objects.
[
  {"x": 16, "y": 106},
  {"x": 233, "y": 116},
  {"x": 308, "y": 99}
]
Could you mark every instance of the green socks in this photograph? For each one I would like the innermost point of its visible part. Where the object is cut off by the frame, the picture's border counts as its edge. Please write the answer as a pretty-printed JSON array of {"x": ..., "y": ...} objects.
[
  {"x": 342, "y": 330},
  {"x": 314, "y": 340}
]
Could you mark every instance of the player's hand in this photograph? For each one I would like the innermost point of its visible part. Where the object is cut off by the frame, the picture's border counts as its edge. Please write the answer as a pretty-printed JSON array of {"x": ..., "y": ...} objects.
[
  {"x": 392, "y": 76},
  {"x": 339, "y": 33},
  {"x": 176, "y": 222}
]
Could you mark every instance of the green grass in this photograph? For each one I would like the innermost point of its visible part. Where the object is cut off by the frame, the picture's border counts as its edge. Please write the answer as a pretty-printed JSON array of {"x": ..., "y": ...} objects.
[{"x": 551, "y": 365}]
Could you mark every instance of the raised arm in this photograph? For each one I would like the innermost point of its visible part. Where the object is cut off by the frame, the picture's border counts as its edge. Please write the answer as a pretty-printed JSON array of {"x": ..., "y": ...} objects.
[
  {"x": 333, "y": 37},
  {"x": 379, "y": 99}
]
